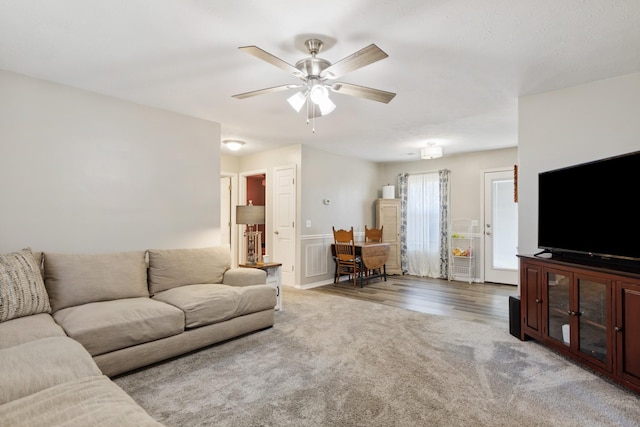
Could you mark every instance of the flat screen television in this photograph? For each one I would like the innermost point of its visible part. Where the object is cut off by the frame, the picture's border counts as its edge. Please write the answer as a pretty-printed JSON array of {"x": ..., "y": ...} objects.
[{"x": 588, "y": 212}]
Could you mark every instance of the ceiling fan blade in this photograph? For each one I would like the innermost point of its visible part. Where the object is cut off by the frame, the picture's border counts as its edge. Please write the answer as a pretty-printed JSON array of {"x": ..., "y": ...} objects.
[
  {"x": 362, "y": 92},
  {"x": 273, "y": 60},
  {"x": 263, "y": 91},
  {"x": 359, "y": 59}
]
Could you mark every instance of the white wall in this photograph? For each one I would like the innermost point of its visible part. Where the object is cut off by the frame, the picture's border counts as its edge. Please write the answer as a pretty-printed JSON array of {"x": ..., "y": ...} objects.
[
  {"x": 570, "y": 126},
  {"x": 350, "y": 185},
  {"x": 82, "y": 172},
  {"x": 466, "y": 176}
]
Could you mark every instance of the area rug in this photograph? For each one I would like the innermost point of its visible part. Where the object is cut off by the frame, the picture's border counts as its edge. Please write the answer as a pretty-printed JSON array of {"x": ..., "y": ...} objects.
[{"x": 335, "y": 361}]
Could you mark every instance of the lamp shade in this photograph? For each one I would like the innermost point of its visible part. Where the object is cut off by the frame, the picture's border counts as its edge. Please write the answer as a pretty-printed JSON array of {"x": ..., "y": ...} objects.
[
  {"x": 297, "y": 100},
  {"x": 318, "y": 93},
  {"x": 431, "y": 152},
  {"x": 250, "y": 214}
]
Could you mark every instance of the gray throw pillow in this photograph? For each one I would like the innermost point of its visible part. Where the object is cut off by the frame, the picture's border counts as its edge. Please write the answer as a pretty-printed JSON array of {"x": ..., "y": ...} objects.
[{"x": 22, "y": 290}]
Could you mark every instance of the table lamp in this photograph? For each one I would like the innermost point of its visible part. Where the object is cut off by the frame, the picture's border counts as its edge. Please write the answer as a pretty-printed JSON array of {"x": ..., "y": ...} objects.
[{"x": 250, "y": 215}]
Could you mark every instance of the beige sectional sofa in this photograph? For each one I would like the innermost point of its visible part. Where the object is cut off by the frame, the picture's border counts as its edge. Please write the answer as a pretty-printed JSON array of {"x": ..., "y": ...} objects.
[{"x": 68, "y": 322}]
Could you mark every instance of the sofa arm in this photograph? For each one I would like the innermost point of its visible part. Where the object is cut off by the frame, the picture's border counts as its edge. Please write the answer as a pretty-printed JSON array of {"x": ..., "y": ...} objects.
[{"x": 244, "y": 277}]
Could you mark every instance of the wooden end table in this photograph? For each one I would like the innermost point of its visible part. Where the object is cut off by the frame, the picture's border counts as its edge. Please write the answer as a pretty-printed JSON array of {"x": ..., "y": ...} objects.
[{"x": 273, "y": 278}]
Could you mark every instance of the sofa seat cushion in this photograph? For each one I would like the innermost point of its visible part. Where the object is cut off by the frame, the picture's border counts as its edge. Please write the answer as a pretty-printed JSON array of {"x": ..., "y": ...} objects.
[
  {"x": 170, "y": 268},
  {"x": 34, "y": 366},
  {"x": 75, "y": 279},
  {"x": 205, "y": 304},
  {"x": 89, "y": 401},
  {"x": 29, "y": 328},
  {"x": 107, "y": 326}
]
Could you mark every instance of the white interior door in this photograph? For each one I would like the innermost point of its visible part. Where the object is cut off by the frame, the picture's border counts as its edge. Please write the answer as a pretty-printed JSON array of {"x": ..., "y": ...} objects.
[
  {"x": 284, "y": 212},
  {"x": 500, "y": 228}
]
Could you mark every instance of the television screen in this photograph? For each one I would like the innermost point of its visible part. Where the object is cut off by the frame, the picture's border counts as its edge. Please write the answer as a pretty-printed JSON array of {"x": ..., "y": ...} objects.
[{"x": 589, "y": 210}]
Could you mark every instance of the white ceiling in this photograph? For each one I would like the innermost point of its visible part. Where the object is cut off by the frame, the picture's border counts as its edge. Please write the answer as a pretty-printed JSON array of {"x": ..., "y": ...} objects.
[{"x": 457, "y": 66}]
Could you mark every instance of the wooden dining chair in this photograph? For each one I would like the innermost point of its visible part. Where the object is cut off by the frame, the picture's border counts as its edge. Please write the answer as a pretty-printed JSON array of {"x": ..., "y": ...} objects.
[
  {"x": 374, "y": 235},
  {"x": 345, "y": 255}
]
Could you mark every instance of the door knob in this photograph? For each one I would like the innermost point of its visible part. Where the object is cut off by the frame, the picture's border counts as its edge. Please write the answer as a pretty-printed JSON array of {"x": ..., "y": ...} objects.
[
  {"x": 488, "y": 233},
  {"x": 276, "y": 232}
]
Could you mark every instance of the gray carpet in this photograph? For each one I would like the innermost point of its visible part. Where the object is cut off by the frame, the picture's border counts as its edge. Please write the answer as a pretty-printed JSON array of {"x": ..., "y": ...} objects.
[{"x": 334, "y": 361}]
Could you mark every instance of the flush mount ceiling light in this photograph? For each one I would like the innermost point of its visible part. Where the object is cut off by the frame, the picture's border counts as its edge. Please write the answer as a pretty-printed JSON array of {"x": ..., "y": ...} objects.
[
  {"x": 233, "y": 144},
  {"x": 316, "y": 74},
  {"x": 431, "y": 152}
]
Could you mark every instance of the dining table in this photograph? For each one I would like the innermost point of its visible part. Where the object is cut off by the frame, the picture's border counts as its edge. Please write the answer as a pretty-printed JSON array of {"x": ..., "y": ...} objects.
[{"x": 373, "y": 256}]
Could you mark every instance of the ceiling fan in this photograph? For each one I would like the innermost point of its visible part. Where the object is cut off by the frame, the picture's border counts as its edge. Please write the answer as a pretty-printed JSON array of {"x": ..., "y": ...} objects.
[{"x": 318, "y": 76}]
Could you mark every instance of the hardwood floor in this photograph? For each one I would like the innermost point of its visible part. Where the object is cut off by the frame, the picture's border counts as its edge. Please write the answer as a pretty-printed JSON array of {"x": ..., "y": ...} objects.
[{"x": 477, "y": 302}]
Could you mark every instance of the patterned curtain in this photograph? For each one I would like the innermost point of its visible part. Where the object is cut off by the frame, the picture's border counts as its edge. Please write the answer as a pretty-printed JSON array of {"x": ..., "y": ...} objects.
[
  {"x": 416, "y": 251},
  {"x": 445, "y": 222},
  {"x": 403, "y": 178}
]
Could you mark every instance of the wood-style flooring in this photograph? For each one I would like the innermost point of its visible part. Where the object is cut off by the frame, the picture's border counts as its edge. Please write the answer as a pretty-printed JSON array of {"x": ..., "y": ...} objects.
[{"x": 486, "y": 303}]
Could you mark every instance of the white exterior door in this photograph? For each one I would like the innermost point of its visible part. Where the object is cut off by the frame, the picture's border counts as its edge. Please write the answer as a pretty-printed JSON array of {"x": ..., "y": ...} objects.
[
  {"x": 500, "y": 228},
  {"x": 284, "y": 231}
]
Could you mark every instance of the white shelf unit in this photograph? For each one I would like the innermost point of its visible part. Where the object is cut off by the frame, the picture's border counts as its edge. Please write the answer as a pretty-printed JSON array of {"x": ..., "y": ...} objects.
[{"x": 463, "y": 252}]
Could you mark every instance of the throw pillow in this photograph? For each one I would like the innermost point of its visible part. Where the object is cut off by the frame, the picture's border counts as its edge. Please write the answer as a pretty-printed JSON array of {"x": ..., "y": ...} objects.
[{"x": 22, "y": 290}]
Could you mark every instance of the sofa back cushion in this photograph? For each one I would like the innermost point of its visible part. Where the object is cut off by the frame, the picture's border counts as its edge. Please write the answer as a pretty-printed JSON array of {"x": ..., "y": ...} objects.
[
  {"x": 170, "y": 268},
  {"x": 74, "y": 279},
  {"x": 22, "y": 291}
]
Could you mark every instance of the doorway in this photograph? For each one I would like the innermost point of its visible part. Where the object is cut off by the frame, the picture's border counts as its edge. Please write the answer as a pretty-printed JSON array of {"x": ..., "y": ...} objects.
[
  {"x": 500, "y": 227},
  {"x": 255, "y": 193}
]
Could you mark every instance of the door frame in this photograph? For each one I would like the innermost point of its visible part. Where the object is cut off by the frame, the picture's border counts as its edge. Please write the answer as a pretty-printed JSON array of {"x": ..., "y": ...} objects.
[
  {"x": 234, "y": 202},
  {"x": 242, "y": 195}
]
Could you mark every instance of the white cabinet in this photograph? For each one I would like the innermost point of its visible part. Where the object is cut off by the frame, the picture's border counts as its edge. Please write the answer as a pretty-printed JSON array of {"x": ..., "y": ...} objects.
[
  {"x": 388, "y": 215},
  {"x": 464, "y": 250}
]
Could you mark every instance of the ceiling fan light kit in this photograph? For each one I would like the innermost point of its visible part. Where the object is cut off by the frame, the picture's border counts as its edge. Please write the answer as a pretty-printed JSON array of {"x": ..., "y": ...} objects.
[
  {"x": 315, "y": 73},
  {"x": 318, "y": 93}
]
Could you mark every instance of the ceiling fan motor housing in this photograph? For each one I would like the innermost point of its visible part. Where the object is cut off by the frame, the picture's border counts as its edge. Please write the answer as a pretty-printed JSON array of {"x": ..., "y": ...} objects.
[{"x": 312, "y": 66}]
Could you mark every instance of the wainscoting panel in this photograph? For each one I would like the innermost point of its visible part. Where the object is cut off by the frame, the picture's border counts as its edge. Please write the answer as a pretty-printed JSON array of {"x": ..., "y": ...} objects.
[{"x": 316, "y": 259}]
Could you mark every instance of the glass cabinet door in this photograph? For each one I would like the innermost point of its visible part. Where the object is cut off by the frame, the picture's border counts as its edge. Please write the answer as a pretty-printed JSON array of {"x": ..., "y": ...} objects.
[
  {"x": 592, "y": 318},
  {"x": 558, "y": 285}
]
